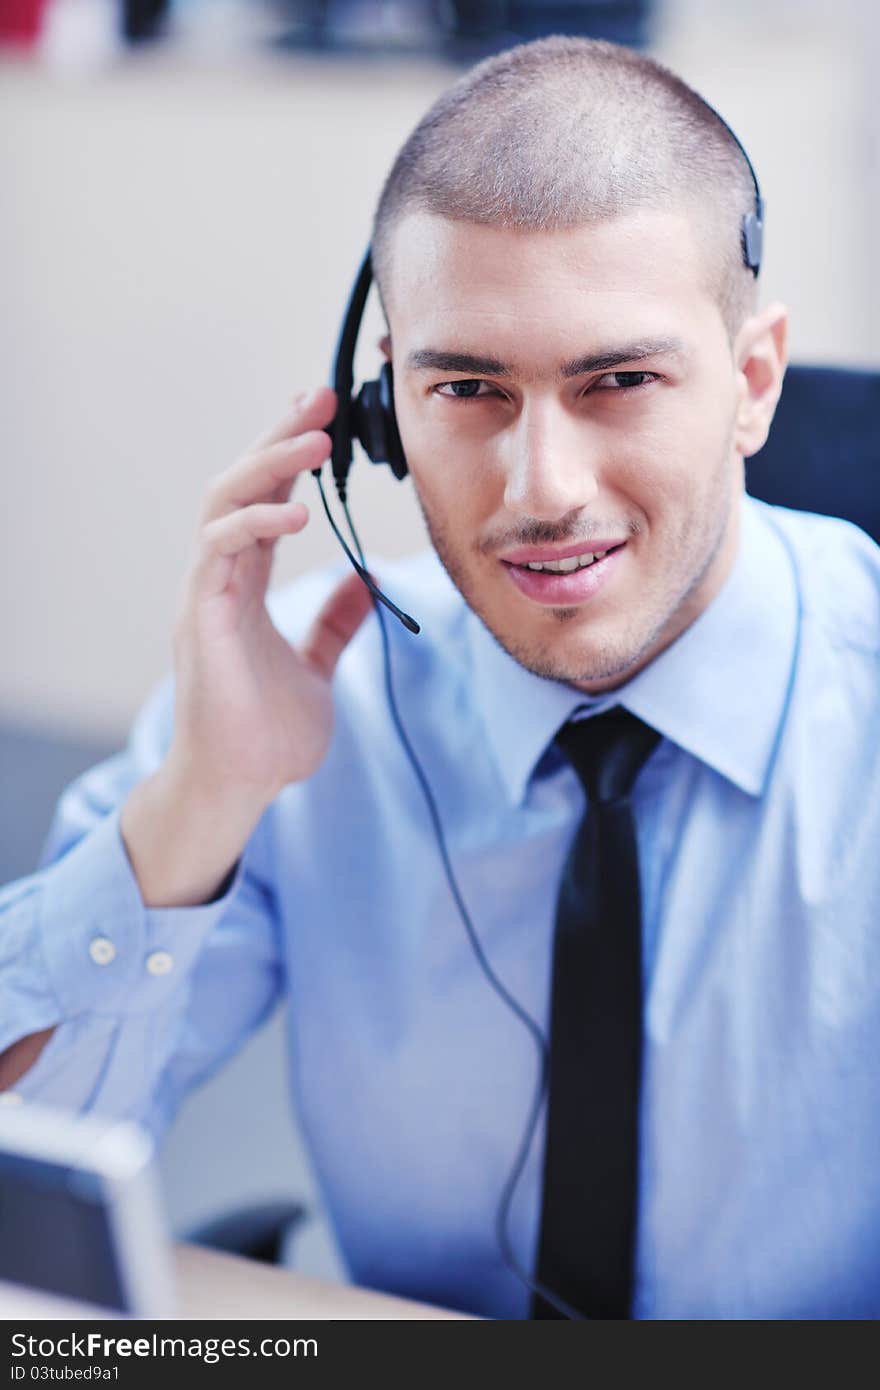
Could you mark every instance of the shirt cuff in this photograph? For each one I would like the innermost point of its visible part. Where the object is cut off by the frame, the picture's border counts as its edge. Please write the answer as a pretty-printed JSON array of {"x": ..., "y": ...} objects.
[{"x": 104, "y": 950}]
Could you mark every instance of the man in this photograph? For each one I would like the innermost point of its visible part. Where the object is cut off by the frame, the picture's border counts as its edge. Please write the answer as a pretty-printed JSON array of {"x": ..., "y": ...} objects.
[{"x": 580, "y": 370}]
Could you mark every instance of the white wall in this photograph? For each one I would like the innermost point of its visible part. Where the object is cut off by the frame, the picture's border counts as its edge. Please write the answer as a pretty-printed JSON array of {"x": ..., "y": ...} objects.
[{"x": 175, "y": 256}]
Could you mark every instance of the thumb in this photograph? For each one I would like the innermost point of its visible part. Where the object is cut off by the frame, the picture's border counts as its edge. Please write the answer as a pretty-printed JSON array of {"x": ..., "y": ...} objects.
[{"x": 335, "y": 624}]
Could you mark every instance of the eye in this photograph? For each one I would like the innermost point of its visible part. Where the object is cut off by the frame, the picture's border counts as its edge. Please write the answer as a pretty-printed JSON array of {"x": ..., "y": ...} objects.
[
  {"x": 461, "y": 390},
  {"x": 624, "y": 381}
]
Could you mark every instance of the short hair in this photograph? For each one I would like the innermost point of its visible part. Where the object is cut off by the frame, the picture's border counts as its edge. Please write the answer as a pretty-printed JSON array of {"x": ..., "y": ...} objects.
[{"x": 566, "y": 131}]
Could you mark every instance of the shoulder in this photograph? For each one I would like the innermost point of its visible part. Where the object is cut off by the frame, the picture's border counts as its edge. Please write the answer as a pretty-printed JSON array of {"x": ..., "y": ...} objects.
[
  {"x": 834, "y": 709},
  {"x": 827, "y": 769},
  {"x": 837, "y": 568}
]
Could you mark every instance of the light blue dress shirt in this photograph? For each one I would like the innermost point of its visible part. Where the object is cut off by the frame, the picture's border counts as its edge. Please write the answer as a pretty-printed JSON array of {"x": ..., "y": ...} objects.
[{"x": 759, "y": 830}]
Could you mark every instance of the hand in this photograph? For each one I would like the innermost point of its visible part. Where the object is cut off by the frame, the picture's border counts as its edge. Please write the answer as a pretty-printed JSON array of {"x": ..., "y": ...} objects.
[{"x": 252, "y": 712}]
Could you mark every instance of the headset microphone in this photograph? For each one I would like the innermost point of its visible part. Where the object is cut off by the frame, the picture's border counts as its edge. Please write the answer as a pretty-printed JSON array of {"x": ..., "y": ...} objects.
[{"x": 368, "y": 417}]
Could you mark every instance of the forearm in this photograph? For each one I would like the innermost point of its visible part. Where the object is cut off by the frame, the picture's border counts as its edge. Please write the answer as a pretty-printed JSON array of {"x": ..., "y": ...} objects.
[
  {"x": 79, "y": 950},
  {"x": 183, "y": 841},
  {"x": 20, "y": 1057},
  {"x": 94, "y": 986}
]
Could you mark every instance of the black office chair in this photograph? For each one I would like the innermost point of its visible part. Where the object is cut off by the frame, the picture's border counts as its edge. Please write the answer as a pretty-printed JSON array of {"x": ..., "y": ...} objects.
[
  {"x": 259, "y": 1232},
  {"x": 823, "y": 453}
]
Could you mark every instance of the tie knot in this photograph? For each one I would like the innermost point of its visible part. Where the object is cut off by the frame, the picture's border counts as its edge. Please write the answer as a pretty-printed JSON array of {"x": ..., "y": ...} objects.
[{"x": 607, "y": 752}]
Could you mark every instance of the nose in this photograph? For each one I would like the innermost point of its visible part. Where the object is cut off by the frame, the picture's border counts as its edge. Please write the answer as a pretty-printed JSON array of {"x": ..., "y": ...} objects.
[{"x": 551, "y": 468}]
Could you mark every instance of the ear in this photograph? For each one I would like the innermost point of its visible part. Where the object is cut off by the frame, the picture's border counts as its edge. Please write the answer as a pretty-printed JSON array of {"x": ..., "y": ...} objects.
[
  {"x": 385, "y": 346},
  {"x": 761, "y": 356}
]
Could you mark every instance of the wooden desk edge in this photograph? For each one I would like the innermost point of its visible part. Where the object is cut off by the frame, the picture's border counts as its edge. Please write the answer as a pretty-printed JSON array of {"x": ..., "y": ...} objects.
[{"x": 213, "y": 1285}]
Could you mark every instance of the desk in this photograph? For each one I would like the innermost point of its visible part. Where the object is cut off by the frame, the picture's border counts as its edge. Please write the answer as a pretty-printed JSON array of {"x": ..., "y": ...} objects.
[
  {"x": 217, "y": 1286},
  {"x": 214, "y": 1285}
]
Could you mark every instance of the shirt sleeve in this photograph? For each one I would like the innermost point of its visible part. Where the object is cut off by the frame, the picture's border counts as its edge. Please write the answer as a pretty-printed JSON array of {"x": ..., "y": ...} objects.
[{"x": 146, "y": 1002}]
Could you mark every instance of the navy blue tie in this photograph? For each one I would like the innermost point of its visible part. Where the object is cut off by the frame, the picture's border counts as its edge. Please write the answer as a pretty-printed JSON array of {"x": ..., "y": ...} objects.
[{"x": 589, "y": 1208}]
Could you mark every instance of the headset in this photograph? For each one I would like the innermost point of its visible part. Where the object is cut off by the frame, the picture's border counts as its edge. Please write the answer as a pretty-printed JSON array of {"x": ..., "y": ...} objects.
[{"x": 369, "y": 418}]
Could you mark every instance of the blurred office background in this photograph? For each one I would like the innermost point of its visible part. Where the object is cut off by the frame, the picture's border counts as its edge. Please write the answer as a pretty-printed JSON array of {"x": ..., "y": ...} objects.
[{"x": 187, "y": 191}]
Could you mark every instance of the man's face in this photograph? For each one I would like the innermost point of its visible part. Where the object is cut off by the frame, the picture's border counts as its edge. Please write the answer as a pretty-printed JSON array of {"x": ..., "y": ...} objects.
[{"x": 563, "y": 393}]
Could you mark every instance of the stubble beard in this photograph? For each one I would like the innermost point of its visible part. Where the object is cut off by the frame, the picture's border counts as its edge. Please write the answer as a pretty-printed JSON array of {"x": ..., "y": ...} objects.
[{"x": 613, "y": 660}]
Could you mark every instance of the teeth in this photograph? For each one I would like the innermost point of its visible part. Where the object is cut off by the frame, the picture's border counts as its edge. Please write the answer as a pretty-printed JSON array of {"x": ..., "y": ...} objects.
[{"x": 574, "y": 562}]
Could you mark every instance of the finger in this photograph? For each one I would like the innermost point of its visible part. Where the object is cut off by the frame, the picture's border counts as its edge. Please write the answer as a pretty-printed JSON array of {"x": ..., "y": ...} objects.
[
  {"x": 336, "y": 624},
  {"x": 230, "y": 536},
  {"x": 310, "y": 410},
  {"x": 267, "y": 476}
]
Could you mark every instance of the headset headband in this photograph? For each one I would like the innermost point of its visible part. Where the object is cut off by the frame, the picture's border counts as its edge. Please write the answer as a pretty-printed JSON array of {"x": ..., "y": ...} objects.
[
  {"x": 341, "y": 430},
  {"x": 752, "y": 231}
]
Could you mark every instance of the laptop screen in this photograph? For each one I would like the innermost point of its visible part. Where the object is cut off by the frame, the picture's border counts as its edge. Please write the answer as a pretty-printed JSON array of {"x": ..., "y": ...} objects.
[
  {"x": 81, "y": 1217},
  {"x": 55, "y": 1232}
]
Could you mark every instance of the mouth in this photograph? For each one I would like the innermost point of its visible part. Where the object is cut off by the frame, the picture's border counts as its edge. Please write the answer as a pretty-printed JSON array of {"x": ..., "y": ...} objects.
[{"x": 552, "y": 585}]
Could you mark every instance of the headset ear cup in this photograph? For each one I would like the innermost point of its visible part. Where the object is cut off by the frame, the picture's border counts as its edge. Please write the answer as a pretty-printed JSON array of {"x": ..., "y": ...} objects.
[
  {"x": 394, "y": 448},
  {"x": 374, "y": 423}
]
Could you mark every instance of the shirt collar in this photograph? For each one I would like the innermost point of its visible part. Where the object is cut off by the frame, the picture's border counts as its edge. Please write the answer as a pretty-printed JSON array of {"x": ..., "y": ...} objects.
[{"x": 719, "y": 691}]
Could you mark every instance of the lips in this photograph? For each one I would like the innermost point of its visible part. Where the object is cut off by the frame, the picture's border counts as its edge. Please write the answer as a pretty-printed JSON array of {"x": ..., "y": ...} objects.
[
  {"x": 536, "y": 554},
  {"x": 555, "y": 589}
]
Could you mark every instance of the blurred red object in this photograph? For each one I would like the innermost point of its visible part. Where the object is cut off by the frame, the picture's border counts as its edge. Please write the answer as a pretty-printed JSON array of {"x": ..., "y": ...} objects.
[{"x": 21, "y": 20}]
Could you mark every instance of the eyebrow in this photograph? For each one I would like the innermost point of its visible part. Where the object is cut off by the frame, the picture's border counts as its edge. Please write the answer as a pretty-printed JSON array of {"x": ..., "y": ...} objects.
[{"x": 433, "y": 359}]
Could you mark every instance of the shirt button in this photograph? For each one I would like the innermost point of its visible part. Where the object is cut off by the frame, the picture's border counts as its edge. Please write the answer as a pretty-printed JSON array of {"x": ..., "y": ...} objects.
[
  {"x": 159, "y": 963},
  {"x": 102, "y": 950},
  {"x": 11, "y": 1098}
]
